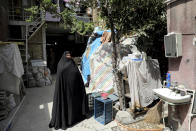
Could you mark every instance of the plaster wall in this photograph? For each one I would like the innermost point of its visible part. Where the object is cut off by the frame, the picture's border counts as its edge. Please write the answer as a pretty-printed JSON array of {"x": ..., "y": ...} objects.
[{"x": 181, "y": 19}]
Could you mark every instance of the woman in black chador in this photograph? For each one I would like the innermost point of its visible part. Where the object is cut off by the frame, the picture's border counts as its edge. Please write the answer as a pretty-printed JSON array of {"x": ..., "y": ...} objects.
[{"x": 70, "y": 101}]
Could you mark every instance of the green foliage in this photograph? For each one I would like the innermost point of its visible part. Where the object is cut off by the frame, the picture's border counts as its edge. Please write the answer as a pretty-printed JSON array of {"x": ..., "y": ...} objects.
[
  {"x": 71, "y": 22},
  {"x": 34, "y": 11},
  {"x": 68, "y": 17},
  {"x": 146, "y": 18}
]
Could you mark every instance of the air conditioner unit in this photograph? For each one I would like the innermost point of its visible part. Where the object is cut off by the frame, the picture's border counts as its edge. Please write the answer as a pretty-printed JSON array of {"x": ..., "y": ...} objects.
[{"x": 173, "y": 45}]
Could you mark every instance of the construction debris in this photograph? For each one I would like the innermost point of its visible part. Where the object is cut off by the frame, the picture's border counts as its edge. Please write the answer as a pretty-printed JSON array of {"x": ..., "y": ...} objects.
[
  {"x": 124, "y": 117},
  {"x": 39, "y": 76}
]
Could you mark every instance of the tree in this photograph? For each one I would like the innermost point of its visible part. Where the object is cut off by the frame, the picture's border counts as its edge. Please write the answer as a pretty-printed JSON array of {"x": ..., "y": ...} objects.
[
  {"x": 67, "y": 16},
  {"x": 146, "y": 18}
]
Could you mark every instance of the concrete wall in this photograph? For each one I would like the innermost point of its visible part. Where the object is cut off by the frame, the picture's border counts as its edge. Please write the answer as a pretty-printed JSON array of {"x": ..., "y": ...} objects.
[
  {"x": 3, "y": 20},
  {"x": 181, "y": 18}
]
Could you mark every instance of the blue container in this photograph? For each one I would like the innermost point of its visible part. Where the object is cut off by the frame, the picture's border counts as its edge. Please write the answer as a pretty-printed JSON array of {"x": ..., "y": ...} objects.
[
  {"x": 103, "y": 110},
  {"x": 91, "y": 97},
  {"x": 168, "y": 79}
]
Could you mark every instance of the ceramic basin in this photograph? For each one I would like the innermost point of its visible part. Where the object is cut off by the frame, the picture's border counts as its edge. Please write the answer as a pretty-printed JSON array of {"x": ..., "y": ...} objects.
[{"x": 170, "y": 96}]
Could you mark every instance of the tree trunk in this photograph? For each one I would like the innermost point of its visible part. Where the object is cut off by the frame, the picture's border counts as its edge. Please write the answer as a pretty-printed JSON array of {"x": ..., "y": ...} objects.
[{"x": 117, "y": 75}]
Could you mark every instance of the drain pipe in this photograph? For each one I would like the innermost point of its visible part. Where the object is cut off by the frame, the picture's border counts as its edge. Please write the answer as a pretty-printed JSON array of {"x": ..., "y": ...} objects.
[{"x": 191, "y": 109}]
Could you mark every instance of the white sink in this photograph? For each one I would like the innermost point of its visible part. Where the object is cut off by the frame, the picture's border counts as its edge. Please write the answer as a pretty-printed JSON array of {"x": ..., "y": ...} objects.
[{"x": 170, "y": 96}]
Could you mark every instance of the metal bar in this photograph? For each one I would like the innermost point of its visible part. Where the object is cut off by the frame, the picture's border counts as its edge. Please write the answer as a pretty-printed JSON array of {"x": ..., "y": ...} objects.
[
  {"x": 190, "y": 113},
  {"x": 36, "y": 30},
  {"x": 26, "y": 43},
  {"x": 14, "y": 42},
  {"x": 27, "y": 64},
  {"x": 44, "y": 42},
  {"x": 12, "y": 7},
  {"x": 14, "y": 16}
]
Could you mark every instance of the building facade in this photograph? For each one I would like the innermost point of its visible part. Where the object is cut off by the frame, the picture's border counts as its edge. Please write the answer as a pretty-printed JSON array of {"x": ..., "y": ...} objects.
[
  {"x": 3, "y": 20},
  {"x": 181, "y": 18}
]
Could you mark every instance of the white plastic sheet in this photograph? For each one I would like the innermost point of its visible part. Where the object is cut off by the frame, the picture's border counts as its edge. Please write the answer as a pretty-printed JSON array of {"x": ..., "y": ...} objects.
[
  {"x": 11, "y": 60},
  {"x": 143, "y": 76},
  {"x": 11, "y": 68},
  {"x": 10, "y": 83}
]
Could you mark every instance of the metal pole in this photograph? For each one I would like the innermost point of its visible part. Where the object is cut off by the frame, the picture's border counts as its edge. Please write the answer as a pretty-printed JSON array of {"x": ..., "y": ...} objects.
[
  {"x": 44, "y": 43},
  {"x": 26, "y": 45}
]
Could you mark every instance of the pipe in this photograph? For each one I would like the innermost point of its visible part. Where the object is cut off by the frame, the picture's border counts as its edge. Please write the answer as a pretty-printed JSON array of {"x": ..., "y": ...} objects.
[
  {"x": 173, "y": 115},
  {"x": 191, "y": 109},
  {"x": 192, "y": 102}
]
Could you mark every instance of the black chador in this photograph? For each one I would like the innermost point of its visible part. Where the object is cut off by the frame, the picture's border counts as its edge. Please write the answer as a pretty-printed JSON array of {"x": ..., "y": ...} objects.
[{"x": 70, "y": 101}]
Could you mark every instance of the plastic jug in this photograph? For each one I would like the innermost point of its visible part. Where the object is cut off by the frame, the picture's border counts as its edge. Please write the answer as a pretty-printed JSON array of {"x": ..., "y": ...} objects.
[{"x": 168, "y": 79}]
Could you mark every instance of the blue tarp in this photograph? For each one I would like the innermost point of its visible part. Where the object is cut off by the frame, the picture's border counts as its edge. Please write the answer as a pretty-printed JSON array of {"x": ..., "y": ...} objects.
[{"x": 86, "y": 60}]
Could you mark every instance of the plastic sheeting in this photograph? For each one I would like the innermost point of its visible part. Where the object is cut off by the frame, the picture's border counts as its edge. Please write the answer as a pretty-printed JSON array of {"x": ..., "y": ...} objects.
[
  {"x": 11, "y": 68},
  {"x": 10, "y": 83},
  {"x": 87, "y": 54},
  {"x": 102, "y": 77},
  {"x": 143, "y": 76},
  {"x": 127, "y": 45},
  {"x": 10, "y": 60}
]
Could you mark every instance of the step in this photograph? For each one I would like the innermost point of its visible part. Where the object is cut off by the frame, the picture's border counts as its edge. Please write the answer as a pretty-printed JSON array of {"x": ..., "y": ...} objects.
[{"x": 35, "y": 26}]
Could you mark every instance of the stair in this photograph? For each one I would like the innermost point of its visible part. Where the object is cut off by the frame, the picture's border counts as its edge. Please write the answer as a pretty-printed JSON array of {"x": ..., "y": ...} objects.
[{"x": 31, "y": 31}]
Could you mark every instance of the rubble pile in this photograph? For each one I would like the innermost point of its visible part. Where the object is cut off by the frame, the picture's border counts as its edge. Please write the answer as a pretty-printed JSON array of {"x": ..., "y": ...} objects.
[{"x": 39, "y": 77}]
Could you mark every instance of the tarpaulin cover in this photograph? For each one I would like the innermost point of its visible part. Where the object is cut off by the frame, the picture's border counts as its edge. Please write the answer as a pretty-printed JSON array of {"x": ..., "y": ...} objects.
[
  {"x": 10, "y": 60},
  {"x": 87, "y": 54},
  {"x": 11, "y": 68},
  {"x": 127, "y": 46},
  {"x": 143, "y": 76},
  {"x": 102, "y": 76},
  {"x": 10, "y": 83}
]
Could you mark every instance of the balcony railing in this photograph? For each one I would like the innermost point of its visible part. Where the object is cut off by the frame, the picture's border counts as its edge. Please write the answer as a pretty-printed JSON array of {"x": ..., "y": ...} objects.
[
  {"x": 19, "y": 14},
  {"x": 83, "y": 17}
]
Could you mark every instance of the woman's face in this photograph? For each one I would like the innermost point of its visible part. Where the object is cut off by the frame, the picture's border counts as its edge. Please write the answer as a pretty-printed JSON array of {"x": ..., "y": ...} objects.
[{"x": 68, "y": 56}]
